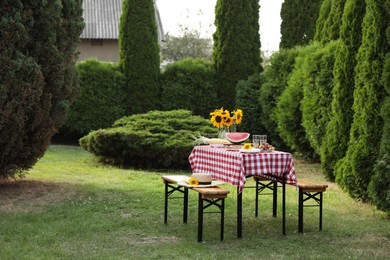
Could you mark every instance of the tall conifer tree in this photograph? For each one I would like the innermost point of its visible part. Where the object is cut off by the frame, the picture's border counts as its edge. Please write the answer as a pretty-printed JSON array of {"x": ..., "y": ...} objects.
[
  {"x": 354, "y": 171},
  {"x": 329, "y": 21},
  {"x": 236, "y": 51},
  {"x": 298, "y": 22},
  {"x": 139, "y": 56},
  {"x": 38, "y": 80},
  {"x": 336, "y": 138}
]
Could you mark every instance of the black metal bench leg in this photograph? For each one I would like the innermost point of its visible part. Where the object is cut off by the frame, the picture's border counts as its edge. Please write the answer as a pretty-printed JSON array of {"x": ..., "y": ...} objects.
[
  {"x": 222, "y": 217},
  {"x": 200, "y": 218},
  {"x": 320, "y": 202},
  {"x": 166, "y": 203},
  {"x": 300, "y": 211},
  {"x": 185, "y": 205}
]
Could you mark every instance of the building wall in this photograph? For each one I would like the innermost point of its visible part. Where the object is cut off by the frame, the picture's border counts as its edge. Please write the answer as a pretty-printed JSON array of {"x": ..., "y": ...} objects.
[{"x": 103, "y": 50}]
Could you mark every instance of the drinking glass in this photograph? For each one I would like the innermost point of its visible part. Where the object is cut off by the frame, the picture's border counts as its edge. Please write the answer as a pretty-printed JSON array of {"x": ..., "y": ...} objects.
[
  {"x": 256, "y": 141},
  {"x": 262, "y": 140}
]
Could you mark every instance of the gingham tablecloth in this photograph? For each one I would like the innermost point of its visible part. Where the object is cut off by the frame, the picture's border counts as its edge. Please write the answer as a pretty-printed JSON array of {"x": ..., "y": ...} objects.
[{"x": 233, "y": 166}]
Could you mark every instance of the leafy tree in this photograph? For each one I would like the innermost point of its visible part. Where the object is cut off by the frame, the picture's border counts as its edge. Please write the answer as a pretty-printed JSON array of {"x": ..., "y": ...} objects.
[
  {"x": 188, "y": 45},
  {"x": 37, "y": 76},
  {"x": 317, "y": 93},
  {"x": 139, "y": 57},
  {"x": 236, "y": 51},
  {"x": 336, "y": 138},
  {"x": 354, "y": 171},
  {"x": 329, "y": 21},
  {"x": 298, "y": 22},
  {"x": 275, "y": 81}
]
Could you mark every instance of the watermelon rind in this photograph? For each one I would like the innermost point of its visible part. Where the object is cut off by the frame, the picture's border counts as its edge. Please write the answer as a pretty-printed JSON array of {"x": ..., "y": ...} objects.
[{"x": 237, "y": 137}]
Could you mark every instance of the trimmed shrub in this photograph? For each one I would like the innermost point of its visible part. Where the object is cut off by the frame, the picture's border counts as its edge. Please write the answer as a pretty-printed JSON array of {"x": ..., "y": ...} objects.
[
  {"x": 247, "y": 100},
  {"x": 157, "y": 139},
  {"x": 329, "y": 21},
  {"x": 317, "y": 94},
  {"x": 288, "y": 114},
  {"x": 101, "y": 101},
  {"x": 275, "y": 81},
  {"x": 188, "y": 84}
]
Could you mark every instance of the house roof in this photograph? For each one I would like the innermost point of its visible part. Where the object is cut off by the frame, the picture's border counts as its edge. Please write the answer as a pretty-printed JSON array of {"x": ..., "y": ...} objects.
[{"x": 101, "y": 18}]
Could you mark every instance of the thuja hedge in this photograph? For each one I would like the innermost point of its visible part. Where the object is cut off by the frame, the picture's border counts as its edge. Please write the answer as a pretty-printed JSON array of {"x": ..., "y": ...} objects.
[
  {"x": 156, "y": 140},
  {"x": 101, "y": 101}
]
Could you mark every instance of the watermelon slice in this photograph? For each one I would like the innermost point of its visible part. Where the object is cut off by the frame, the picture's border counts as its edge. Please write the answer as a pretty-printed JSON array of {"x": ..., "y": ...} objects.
[{"x": 237, "y": 137}]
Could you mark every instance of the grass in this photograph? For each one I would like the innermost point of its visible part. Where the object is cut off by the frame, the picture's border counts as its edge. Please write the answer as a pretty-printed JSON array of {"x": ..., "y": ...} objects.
[{"x": 71, "y": 207}]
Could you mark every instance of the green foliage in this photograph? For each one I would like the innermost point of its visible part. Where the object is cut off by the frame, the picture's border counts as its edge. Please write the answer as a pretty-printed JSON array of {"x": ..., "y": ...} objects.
[
  {"x": 336, "y": 138},
  {"x": 188, "y": 45},
  {"x": 188, "y": 84},
  {"x": 139, "y": 55},
  {"x": 236, "y": 52},
  {"x": 379, "y": 187},
  {"x": 329, "y": 21},
  {"x": 298, "y": 22},
  {"x": 317, "y": 93},
  {"x": 37, "y": 76},
  {"x": 157, "y": 139},
  {"x": 354, "y": 171},
  {"x": 247, "y": 100},
  {"x": 287, "y": 113},
  {"x": 101, "y": 100},
  {"x": 275, "y": 81}
]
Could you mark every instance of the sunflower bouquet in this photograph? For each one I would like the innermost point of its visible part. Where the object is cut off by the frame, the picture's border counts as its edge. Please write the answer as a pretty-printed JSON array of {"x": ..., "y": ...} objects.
[{"x": 224, "y": 118}]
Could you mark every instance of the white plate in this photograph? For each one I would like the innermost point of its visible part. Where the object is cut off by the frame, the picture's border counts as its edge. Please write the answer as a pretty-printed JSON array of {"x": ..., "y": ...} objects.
[
  {"x": 217, "y": 145},
  {"x": 253, "y": 150},
  {"x": 213, "y": 184}
]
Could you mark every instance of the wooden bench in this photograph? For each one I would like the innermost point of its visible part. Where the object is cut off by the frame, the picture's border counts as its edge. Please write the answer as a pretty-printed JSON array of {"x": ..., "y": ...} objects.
[
  {"x": 308, "y": 190},
  {"x": 211, "y": 195},
  {"x": 171, "y": 187}
]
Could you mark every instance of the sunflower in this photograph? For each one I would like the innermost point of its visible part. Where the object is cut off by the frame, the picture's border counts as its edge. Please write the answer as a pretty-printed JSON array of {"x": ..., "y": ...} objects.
[
  {"x": 238, "y": 114},
  {"x": 247, "y": 146},
  {"x": 229, "y": 121},
  {"x": 217, "y": 118},
  {"x": 193, "y": 181}
]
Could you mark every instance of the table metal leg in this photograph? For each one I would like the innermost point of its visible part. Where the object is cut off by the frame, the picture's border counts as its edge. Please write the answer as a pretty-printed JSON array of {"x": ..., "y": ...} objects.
[
  {"x": 239, "y": 213},
  {"x": 185, "y": 205},
  {"x": 200, "y": 218},
  {"x": 275, "y": 199}
]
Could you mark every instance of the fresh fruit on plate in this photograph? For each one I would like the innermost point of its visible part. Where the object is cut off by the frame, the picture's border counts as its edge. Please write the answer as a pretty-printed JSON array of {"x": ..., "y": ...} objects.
[
  {"x": 237, "y": 137},
  {"x": 267, "y": 147}
]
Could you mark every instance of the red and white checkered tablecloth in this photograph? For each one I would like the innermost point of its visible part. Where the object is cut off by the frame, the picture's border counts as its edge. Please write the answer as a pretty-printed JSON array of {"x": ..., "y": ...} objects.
[{"x": 233, "y": 166}]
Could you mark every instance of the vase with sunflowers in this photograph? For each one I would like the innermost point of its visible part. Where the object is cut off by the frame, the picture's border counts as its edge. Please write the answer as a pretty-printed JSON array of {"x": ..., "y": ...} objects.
[{"x": 226, "y": 121}]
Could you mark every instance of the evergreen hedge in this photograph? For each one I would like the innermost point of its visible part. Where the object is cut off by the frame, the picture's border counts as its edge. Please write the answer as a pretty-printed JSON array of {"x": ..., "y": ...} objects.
[
  {"x": 275, "y": 78},
  {"x": 38, "y": 80},
  {"x": 287, "y": 113},
  {"x": 102, "y": 99},
  {"x": 329, "y": 21},
  {"x": 354, "y": 171},
  {"x": 189, "y": 84},
  {"x": 157, "y": 139},
  {"x": 337, "y": 130},
  {"x": 317, "y": 93}
]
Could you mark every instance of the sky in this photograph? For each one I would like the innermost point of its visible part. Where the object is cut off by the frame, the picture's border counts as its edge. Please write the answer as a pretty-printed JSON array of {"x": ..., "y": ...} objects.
[{"x": 199, "y": 14}]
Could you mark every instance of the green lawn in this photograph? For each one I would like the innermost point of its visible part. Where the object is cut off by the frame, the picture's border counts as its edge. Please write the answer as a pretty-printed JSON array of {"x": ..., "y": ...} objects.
[{"x": 71, "y": 207}]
